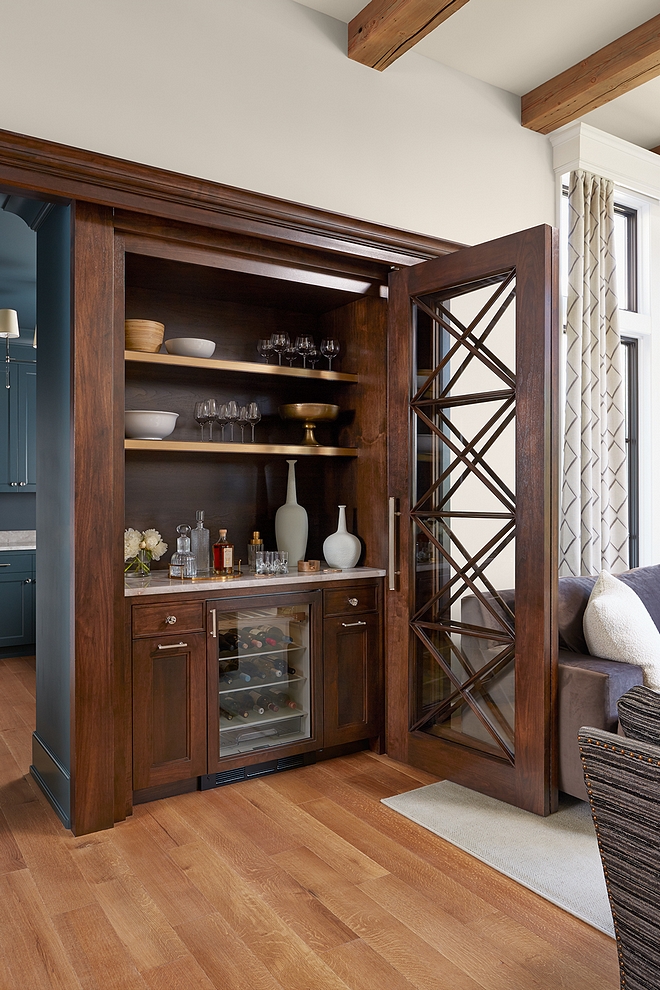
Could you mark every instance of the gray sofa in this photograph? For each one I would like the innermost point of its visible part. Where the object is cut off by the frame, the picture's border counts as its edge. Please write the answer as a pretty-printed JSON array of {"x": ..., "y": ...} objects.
[{"x": 589, "y": 687}]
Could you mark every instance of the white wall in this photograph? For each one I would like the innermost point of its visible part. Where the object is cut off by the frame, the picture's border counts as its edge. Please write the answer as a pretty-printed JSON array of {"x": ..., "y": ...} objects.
[{"x": 260, "y": 94}]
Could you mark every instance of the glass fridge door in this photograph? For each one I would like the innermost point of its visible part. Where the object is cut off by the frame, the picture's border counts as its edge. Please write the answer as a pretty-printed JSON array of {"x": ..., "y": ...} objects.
[{"x": 263, "y": 677}]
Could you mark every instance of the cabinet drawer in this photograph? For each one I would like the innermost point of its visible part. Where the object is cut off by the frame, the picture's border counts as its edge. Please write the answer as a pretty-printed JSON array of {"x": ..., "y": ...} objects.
[
  {"x": 173, "y": 618},
  {"x": 14, "y": 562},
  {"x": 350, "y": 601}
]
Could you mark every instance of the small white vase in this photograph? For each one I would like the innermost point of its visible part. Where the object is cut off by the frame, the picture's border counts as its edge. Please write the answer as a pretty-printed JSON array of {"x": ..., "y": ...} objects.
[
  {"x": 342, "y": 549},
  {"x": 291, "y": 523}
]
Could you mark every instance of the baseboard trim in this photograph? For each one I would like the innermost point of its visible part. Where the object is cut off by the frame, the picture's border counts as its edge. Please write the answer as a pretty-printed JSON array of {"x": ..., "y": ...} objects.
[{"x": 53, "y": 779}]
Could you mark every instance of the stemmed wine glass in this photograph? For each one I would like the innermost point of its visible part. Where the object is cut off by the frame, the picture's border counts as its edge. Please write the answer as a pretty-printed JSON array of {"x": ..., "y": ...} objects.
[
  {"x": 279, "y": 343},
  {"x": 290, "y": 353},
  {"x": 314, "y": 357},
  {"x": 242, "y": 421},
  {"x": 202, "y": 414},
  {"x": 212, "y": 406},
  {"x": 304, "y": 346},
  {"x": 253, "y": 416},
  {"x": 330, "y": 348},
  {"x": 232, "y": 415},
  {"x": 221, "y": 420},
  {"x": 265, "y": 348}
]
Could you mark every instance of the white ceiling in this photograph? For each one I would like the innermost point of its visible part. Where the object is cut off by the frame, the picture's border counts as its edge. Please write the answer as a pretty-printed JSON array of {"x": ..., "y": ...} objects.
[{"x": 519, "y": 44}]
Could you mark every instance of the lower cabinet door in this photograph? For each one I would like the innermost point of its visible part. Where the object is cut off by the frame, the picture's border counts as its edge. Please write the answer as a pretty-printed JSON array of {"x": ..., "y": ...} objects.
[
  {"x": 16, "y": 599},
  {"x": 169, "y": 709},
  {"x": 352, "y": 707}
]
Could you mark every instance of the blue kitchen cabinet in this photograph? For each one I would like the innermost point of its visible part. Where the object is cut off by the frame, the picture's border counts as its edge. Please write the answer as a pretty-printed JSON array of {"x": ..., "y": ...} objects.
[
  {"x": 17, "y": 587},
  {"x": 18, "y": 436}
]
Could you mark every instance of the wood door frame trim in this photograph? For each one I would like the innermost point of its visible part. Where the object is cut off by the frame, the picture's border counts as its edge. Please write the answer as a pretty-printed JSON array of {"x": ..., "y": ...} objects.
[{"x": 61, "y": 171}]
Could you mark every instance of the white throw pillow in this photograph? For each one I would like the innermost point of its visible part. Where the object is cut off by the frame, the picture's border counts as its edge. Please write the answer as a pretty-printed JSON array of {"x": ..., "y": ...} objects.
[{"x": 617, "y": 626}]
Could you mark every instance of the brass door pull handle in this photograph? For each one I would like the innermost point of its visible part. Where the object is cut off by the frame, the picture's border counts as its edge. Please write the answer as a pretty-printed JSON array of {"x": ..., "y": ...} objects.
[
  {"x": 174, "y": 646},
  {"x": 347, "y": 625}
]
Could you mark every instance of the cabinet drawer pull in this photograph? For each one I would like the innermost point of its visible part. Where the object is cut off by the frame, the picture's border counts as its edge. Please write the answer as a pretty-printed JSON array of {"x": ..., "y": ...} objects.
[
  {"x": 353, "y": 601},
  {"x": 347, "y": 625},
  {"x": 170, "y": 619},
  {"x": 174, "y": 646},
  {"x": 5, "y": 565}
]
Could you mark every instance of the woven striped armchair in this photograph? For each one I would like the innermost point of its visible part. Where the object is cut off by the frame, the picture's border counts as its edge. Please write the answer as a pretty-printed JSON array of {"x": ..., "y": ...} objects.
[{"x": 622, "y": 776}]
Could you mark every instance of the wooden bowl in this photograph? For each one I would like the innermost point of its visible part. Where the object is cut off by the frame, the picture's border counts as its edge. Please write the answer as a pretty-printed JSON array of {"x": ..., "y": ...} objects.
[{"x": 144, "y": 335}]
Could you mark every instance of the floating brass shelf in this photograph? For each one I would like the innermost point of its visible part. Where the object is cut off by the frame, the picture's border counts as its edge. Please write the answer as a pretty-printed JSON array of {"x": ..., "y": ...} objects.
[
  {"x": 246, "y": 367},
  {"x": 199, "y": 447}
]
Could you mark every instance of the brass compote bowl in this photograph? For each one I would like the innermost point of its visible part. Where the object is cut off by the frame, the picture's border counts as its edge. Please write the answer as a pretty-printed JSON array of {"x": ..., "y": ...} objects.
[{"x": 310, "y": 413}]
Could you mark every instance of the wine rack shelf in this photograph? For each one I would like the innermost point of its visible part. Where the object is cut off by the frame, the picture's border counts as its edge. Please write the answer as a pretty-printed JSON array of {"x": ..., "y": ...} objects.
[
  {"x": 243, "y": 367},
  {"x": 204, "y": 447}
]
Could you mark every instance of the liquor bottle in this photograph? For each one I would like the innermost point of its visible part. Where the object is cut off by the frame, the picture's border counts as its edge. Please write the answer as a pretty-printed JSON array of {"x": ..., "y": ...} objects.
[
  {"x": 232, "y": 705},
  {"x": 255, "y": 544},
  {"x": 200, "y": 543},
  {"x": 257, "y": 705},
  {"x": 223, "y": 554},
  {"x": 261, "y": 699},
  {"x": 182, "y": 561}
]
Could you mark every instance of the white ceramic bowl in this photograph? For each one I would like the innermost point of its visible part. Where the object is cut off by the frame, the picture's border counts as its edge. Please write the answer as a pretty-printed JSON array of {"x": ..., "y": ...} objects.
[
  {"x": 149, "y": 424},
  {"x": 190, "y": 347}
]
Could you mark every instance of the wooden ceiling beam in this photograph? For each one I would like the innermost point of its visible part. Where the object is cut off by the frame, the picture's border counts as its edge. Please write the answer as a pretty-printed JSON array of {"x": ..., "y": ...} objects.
[
  {"x": 617, "y": 68},
  {"x": 656, "y": 151},
  {"x": 385, "y": 29}
]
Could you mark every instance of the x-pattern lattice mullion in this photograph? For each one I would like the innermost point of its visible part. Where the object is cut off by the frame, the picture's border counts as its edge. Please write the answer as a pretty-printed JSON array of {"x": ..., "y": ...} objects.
[
  {"x": 506, "y": 377},
  {"x": 469, "y": 700},
  {"x": 479, "y": 341},
  {"x": 445, "y": 708},
  {"x": 466, "y": 332},
  {"x": 505, "y": 535},
  {"x": 470, "y": 465},
  {"x": 479, "y": 457}
]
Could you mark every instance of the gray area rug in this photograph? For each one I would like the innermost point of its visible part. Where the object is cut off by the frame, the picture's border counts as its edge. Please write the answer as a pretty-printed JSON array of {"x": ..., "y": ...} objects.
[{"x": 557, "y": 857}]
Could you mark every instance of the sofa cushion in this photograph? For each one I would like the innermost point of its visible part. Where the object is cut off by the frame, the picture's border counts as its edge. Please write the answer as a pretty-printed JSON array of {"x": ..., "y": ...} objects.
[
  {"x": 639, "y": 714},
  {"x": 617, "y": 626},
  {"x": 574, "y": 594}
]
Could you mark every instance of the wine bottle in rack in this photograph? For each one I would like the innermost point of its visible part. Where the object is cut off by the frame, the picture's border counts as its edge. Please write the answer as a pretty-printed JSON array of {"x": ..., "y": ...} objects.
[
  {"x": 269, "y": 667},
  {"x": 227, "y": 641},
  {"x": 225, "y": 714},
  {"x": 261, "y": 699},
  {"x": 253, "y": 670},
  {"x": 275, "y": 637},
  {"x": 257, "y": 704},
  {"x": 283, "y": 699},
  {"x": 230, "y": 673},
  {"x": 237, "y": 707}
]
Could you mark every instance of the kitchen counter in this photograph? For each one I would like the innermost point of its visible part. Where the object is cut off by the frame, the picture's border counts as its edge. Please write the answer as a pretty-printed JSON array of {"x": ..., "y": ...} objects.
[
  {"x": 18, "y": 539},
  {"x": 158, "y": 583}
]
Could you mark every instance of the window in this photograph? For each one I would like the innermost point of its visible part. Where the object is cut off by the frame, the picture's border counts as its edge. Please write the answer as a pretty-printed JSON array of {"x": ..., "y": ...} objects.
[
  {"x": 631, "y": 384},
  {"x": 625, "y": 247}
]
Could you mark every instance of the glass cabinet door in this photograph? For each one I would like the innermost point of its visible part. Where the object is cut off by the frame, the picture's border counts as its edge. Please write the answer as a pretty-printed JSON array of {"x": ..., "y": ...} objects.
[{"x": 263, "y": 665}]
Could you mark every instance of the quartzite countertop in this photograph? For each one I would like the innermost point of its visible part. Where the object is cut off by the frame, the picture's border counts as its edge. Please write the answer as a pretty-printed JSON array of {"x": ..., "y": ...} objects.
[{"x": 158, "y": 583}]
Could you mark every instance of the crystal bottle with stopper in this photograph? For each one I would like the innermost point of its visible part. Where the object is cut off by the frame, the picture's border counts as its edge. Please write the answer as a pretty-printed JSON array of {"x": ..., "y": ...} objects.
[
  {"x": 200, "y": 543},
  {"x": 182, "y": 562}
]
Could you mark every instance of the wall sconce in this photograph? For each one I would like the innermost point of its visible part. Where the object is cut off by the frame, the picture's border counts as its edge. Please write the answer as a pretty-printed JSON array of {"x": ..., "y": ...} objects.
[{"x": 8, "y": 328}]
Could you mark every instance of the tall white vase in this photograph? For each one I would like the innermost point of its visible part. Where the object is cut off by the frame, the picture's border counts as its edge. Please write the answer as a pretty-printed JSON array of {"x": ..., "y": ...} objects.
[
  {"x": 342, "y": 549},
  {"x": 291, "y": 523}
]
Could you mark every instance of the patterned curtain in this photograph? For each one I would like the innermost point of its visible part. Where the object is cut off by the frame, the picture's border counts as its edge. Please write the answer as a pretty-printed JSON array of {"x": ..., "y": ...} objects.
[{"x": 594, "y": 521}]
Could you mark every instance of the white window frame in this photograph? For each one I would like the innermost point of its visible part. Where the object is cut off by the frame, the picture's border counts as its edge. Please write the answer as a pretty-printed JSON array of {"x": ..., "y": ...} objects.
[{"x": 636, "y": 176}]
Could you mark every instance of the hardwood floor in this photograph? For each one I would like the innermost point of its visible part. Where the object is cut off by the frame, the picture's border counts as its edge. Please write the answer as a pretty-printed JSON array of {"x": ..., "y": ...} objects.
[{"x": 301, "y": 881}]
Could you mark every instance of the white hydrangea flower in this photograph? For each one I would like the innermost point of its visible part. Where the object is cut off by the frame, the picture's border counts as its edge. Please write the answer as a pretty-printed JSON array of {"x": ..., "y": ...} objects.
[{"x": 131, "y": 543}]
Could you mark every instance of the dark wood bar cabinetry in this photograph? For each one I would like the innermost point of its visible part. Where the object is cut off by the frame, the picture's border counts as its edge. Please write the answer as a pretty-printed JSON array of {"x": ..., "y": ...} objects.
[{"x": 184, "y": 732}]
